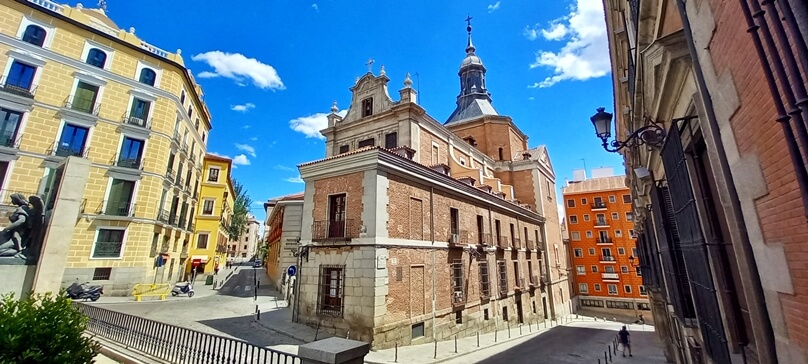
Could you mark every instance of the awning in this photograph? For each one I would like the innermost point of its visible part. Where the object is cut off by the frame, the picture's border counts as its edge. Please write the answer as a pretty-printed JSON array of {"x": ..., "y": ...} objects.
[{"x": 201, "y": 258}]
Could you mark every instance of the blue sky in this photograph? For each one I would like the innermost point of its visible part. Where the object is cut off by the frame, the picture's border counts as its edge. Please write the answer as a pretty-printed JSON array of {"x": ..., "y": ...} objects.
[{"x": 269, "y": 66}]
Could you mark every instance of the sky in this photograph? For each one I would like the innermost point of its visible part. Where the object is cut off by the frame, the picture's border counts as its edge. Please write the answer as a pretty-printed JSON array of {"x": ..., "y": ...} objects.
[{"x": 271, "y": 69}]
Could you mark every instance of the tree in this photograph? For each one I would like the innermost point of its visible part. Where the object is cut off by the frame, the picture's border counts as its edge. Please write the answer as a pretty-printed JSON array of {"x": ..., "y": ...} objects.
[
  {"x": 241, "y": 206},
  {"x": 44, "y": 328}
]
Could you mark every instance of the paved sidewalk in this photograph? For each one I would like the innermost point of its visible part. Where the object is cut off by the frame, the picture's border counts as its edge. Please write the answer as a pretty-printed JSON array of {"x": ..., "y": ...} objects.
[{"x": 200, "y": 289}]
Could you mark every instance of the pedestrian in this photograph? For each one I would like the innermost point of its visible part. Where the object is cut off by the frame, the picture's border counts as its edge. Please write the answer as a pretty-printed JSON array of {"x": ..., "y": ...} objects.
[
  {"x": 623, "y": 336},
  {"x": 216, "y": 269}
]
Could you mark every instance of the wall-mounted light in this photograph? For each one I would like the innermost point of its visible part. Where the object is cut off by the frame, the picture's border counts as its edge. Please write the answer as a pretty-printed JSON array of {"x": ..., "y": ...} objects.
[{"x": 651, "y": 134}]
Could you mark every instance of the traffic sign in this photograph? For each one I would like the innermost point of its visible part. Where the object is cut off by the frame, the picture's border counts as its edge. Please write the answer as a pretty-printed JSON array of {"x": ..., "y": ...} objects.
[{"x": 291, "y": 271}]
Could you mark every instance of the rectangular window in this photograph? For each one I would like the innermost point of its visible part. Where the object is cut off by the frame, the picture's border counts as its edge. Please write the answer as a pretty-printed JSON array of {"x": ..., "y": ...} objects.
[
  {"x": 72, "y": 141},
  {"x": 84, "y": 98},
  {"x": 202, "y": 241},
  {"x": 182, "y": 97},
  {"x": 131, "y": 152},
  {"x": 367, "y": 107},
  {"x": 119, "y": 199},
  {"x": 612, "y": 288},
  {"x": 643, "y": 292},
  {"x": 435, "y": 152},
  {"x": 570, "y": 203},
  {"x": 573, "y": 219},
  {"x": 458, "y": 293},
  {"x": 600, "y": 220},
  {"x": 455, "y": 223},
  {"x": 9, "y": 126},
  {"x": 608, "y": 269},
  {"x": 485, "y": 283},
  {"x": 207, "y": 206},
  {"x": 588, "y": 234},
  {"x": 575, "y": 235},
  {"x": 418, "y": 330},
  {"x": 583, "y": 288},
  {"x": 498, "y": 228},
  {"x": 632, "y": 235},
  {"x": 591, "y": 251},
  {"x": 108, "y": 244},
  {"x": 618, "y": 233},
  {"x": 20, "y": 79},
  {"x": 213, "y": 175},
  {"x": 336, "y": 216},
  {"x": 344, "y": 149},
  {"x": 579, "y": 253},
  {"x": 615, "y": 216},
  {"x": 612, "y": 199},
  {"x": 366, "y": 143},
  {"x": 594, "y": 269},
  {"x": 391, "y": 140},
  {"x": 583, "y": 201},
  {"x": 624, "y": 269},
  {"x": 621, "y": 251},
  {"x": 627, "y": 288},
  {"x": 503, "y": 277},
  {"x": 581, "y": 269},
  {"x": 629, "y": 216},
  {"x": 626, "y": 198},
  {"x": 597, "y": 287},
  {"x": 586, "y": 217},
  {"x": 102, "y": 274},
  {"x": 332, "y": 284}
]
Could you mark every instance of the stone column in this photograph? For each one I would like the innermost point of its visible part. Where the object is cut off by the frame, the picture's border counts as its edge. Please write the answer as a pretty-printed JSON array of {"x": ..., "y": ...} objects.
[
  {"x": 333, "y": 350},
  {"x": 60, "y": 225}
]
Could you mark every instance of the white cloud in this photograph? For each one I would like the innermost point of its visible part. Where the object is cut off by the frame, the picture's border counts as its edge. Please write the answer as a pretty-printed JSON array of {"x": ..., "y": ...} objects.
[
  {"x": 294, "y": 180},
  {"x": 311, "y": 125},
  {"x": 283, "y": 168},
  {"x": 561, "y": 213},
  {"x": 534, "y": 85},
  {"x": 258, "y": 203},
  {"x": 243, "y": 108},
  {"x": 241, "y": 160},
  {"x": 219, "y": 155},
  {"x": 531, "y": 33},
  {"x": 557, "y": 31},
  {"x": 245, "y": 127},
  {"x": 238, "y": 67},
  {"x": 493, "y": 7},
  {"x": 253, "y": 139},
  {"x": 585, "y": 55},
  {"x": 315, "y": 7},
  {"x": 531, "y": 98},
  {"x": 249, "y": 149}
]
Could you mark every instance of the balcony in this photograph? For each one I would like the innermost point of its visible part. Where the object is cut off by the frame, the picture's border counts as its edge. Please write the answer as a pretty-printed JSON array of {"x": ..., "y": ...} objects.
[
  {"x": 196, "y": 195},
  {"x": 82, "y": 105},
  {"x": 130, "y": 163},
  {"x": 458, "y": 297},
  {"x": 162, "y": 217},
  {"x": 179, "y": 182},
  {"x": 184, "y": 149},
  {"x": 610, "y": 276},
  {"x": 458, "y": 238},
  {"x": 137, "y": 120},
  {"x": 530, "y": 244},
  {"x": 607, "y": 259},
  {"x": 107, "y": 249},
  {"x": 604, "y": 241},
  {"x": 191, "y": 226},
  {"x": 10, "y": 140},
  {"x": 172, "y": 219},
  {"x": 598, "y": 205},
  {"x": 504, "y": 242},
  {"x": 181, "y": 222},
  {"x": 170, "y": 175},
  {"x": 192, "y": 158},
  {"x": 517, "y": 243},
  {"x": 601, "y": 224},
  {"x": 119, "y": 208},
  {"x": 69, "y": 150},
  {"x": 486, "y": 239},
  {"x": 519, "y": 284},
  {"x": 325, "y": 230},
  {"x": 18, "y": 87},
  {"x": 176, "y": 138},
  {"x": 534, "y": 281}
]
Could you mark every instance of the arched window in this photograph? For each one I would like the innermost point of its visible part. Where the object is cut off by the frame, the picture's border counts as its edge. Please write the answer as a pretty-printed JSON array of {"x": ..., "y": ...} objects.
[
  {"x": 96, "y": 57},
  {"x": 500, "y": 154},
  {"x": 147, "y": 76},
  {"x": 35, "y": 35}
]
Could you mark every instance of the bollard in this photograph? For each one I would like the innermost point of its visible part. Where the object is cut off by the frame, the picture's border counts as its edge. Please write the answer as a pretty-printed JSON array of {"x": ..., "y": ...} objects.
[
  {"x": 256, "y": 308},
  {"x": 395, "y": 358},
  {"x": 509, "y": 329},
  {"x": 259, "y": 315},
  {"x": 598, "y": 361},
  {"x": 436, "y": 350},
  {"x": 455, "y": 344},
  {"x": 520, "y": 330},
  {"x": 496, "y": 330},
  {"x": 348, "y": 335},
  {"x": 605, "y": 358},
  {"x": 478, "y": 338},
  {"x": 610, "y": 354},
  {"x": 529, "y": 329}
]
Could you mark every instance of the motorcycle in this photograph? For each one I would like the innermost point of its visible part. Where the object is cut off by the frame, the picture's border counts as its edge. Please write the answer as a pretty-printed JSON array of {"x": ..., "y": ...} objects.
[
  {"x": 183, "y": 288},
  {"x": 84, "y": 291}
]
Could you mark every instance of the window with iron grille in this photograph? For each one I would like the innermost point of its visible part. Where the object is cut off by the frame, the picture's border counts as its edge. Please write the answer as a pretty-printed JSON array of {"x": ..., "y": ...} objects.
[
  {"x": 391, "y": 140},
  {"x": 485, "y": 283},
  {"x": 503, "y": 277},
  {"x": 458, "y": 295},
  {"x": 102, "y": 274},
  {"x": 344, "y": 149},
  {"x": 332, "y": 285}
]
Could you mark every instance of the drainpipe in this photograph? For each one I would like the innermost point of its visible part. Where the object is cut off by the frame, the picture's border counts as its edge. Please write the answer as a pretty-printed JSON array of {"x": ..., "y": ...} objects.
[
  {"x": 765, "y": 328},
  {"x": 432, "y": 237},
  {"x": 794, "y": 22}
]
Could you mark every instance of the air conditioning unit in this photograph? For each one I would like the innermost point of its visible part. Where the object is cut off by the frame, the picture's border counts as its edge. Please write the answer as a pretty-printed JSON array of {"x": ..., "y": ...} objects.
[
  {"x": 137, "y": 121},
  {"x": 454, "y": 239}
]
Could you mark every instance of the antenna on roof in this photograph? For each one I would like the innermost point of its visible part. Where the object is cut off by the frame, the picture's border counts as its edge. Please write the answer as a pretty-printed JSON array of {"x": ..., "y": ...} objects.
[{"x": 418, "y": 87}]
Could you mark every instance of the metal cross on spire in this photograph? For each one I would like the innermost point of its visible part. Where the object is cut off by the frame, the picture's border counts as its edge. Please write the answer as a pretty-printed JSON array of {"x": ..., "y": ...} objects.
[
  {"x": 370, "y": 65},
  {"x": 468, "y": 23}
]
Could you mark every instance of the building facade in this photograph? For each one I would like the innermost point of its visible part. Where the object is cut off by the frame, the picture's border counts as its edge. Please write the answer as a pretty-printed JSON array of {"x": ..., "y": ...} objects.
[
  {"x": 416, "y": 230},
  {"x": 602, "y": 238},
  {"x": 214, "y": 212},
  {"x": 721, "y": 203},
  {"x": 74, "y": 84},
  {"x": 282, "y": 235},
  {"x": 246, "y": 246}
]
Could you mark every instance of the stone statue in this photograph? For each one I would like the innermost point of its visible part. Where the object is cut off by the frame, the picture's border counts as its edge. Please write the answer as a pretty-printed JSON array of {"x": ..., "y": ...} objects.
[{"x": 21, "y": 239}]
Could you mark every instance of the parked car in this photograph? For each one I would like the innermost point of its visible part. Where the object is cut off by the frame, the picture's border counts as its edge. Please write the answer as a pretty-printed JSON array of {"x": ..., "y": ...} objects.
[{"x": 257, "y": 263}]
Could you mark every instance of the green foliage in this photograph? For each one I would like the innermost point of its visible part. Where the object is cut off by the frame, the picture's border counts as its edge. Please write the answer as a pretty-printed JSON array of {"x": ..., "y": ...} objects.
[
  {"x": 241, "y": 206},
  {"x": 263, "y": 250},
  {"x": 43, "y": 329}
]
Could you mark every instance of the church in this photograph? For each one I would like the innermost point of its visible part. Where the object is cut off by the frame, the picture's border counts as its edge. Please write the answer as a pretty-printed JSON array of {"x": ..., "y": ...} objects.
[{"x": 417, "y": 230}]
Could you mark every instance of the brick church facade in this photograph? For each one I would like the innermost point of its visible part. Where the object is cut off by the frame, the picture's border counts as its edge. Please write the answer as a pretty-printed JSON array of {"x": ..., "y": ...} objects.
[{"x": 416, "y": 230}]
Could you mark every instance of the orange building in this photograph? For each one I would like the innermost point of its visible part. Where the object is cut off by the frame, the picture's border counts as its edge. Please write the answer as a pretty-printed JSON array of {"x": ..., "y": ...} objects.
[{"x": 600, "y": 223}]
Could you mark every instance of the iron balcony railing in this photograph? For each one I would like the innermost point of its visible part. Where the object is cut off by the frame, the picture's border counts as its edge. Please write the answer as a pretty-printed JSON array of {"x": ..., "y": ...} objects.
[
  {"x": 162, "y": 216},
  {"x": 175, "y": 344},
  {"x": 179, "y": 181},
  {"x": 517, "y": 243},
  {"x": 119, "y": 208},
  {"x": 485, "y": 239},
  {"x": 530, "y": 244},
  {"x": 534, "y": 280},
  {"x": 69, "y": 150},
  {"x": 604, "y": 240},
  {"x": 9, "y": 140},
  {"x": 335, "y": 230},
  {"x": 601, "y": 223},
  {"x": 607, "y": 258},
  {"x": 610, "y": 276},
  {"x": 18, "y": 87},
  {"x": 598, "y": 205},
  {"x": 459, "y": 237},
  {"x": 504, "y": 242},
  {"x": 191, "y": 226},
  {"x": 142, "y": 121},
  {"x": 129, "y": 163},
  {"x": 82, "y": 104},
  {"x": 107, "y": 249},
  {"x": 170, "y": 175}
]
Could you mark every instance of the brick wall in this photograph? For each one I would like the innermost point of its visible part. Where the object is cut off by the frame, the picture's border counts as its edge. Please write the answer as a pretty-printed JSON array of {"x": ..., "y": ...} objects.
[
  {"x": 425, "y": 152},
  {"x": 349, "y": 184}
]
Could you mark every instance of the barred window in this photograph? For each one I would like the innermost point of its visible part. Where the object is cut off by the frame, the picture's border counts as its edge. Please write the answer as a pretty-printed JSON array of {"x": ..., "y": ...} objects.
[
  {"x": 592, "y": 303},
  {"x": 620, "y": 304},
  {"x": 485, "y": 283},
  {"x": 332, "y": 284},
  {"x": 503, "y": 277},
  {"x": 458, "y": 295}
]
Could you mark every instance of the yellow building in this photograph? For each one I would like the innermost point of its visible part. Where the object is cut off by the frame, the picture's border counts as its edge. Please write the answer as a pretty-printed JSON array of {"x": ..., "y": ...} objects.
[
  {"x": 213, "y": 216},
  {"x": 74, "y": 84}
]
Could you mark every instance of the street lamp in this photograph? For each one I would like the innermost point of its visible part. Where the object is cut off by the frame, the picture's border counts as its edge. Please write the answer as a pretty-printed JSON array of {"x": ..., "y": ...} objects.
[{"x": 651, "y": 134}]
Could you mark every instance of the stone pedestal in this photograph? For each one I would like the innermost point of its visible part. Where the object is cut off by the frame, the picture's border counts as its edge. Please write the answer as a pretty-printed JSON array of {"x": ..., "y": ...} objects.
[
  {"x": 60, "y": 225},
  {"x": 333, "y": 350}
]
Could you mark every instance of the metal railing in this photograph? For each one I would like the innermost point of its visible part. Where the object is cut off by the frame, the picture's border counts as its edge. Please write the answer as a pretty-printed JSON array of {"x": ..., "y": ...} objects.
[
  {"x": 150, "y": 290},
  {"x": 517, "y": 243},
  {"x": 604, "y": 240},
  {"x": 162, "y": 216},
  {"x": 504, "y": 242},
  {"x": 15, "y": 87},
  {"x": 119, "y": 208},
  {"x": 598, "y": 205},
  {"x": 530, "y": 244},
  {"x": 137, "y": 120},
  {"x": 335, "y": 230},
  {"x": 10, "y": 140},
  {"x": 607, "y": 258},
  {"x": 85, "y": 105},
  {"x": 69, "y": 150},
  {"x": 132, "y": 163},
  {"x": 176, "y": 344},
  {"x": 486, "y": 238},
  {"x": 601, "y": 223},
  {"x": 107, "y": 249}
]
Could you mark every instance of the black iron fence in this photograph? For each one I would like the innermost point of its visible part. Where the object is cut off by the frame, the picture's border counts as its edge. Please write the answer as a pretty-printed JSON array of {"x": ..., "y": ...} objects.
[{"x": 176, "y": 344}]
